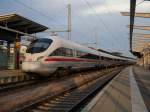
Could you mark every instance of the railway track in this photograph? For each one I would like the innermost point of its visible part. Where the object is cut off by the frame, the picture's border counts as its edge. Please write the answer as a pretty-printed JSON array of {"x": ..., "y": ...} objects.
[
  {"x": 71, "y": 100},
  {"x": 32, "y": 94},
  {"x": 14, "y": 82}
]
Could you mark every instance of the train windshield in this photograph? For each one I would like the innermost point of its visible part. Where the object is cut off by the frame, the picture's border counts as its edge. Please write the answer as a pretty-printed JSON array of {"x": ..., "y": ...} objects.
[{"x": 39, "y": 45}]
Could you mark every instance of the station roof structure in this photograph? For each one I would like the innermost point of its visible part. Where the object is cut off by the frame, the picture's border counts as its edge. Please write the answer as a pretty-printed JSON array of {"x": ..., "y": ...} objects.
[
  {"x": 143, "y": 15},
  {"x": 135, "y": 47},
  {"x": 10, "y": 24},
  {"x": 141, "y": 35},
  {"x": 140, "y": 27},
  {"x": 139, "y": 47}
]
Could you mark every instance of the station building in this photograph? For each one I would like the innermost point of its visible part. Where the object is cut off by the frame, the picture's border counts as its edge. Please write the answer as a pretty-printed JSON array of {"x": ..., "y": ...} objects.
[
  {"x": 146, "y": 56},
  {"x": 144, "y": 60},
  {"x": 12, "y": 28}
]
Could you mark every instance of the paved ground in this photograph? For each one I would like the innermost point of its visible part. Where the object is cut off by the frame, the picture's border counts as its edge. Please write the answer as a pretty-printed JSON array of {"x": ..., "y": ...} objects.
[
  {"x": 6, "y": 73},
  {"x": 128, "y": 92},
  {"x": 142, "y": 77}
]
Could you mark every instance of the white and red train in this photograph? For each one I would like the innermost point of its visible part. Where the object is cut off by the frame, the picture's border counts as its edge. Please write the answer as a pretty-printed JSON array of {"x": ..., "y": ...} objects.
[{"x": 46, "y": 55}]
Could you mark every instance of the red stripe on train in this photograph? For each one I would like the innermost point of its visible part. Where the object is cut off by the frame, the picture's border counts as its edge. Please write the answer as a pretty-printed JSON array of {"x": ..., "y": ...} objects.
[
  {"x": 69, "y": 59},
  {"x": 62, "y": 59}
]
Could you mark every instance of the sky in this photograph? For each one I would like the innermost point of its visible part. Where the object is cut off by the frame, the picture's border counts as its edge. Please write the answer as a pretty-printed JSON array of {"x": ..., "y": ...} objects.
[{"x": 93, "y": 21}]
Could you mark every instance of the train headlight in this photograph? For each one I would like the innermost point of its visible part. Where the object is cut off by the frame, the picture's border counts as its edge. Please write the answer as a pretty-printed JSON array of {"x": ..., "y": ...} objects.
[{"x": 39, "y": 58}]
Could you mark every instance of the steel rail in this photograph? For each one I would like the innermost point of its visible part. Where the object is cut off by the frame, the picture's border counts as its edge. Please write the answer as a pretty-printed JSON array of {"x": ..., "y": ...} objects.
[{"x": 70, "y": 100}]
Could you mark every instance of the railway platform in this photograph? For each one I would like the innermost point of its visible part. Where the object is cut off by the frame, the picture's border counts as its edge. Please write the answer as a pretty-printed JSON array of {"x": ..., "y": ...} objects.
[
  {"x": 11, "y": 76},
  {"x": 10, "y": 73},
  {"x": 127, "y": 92}
]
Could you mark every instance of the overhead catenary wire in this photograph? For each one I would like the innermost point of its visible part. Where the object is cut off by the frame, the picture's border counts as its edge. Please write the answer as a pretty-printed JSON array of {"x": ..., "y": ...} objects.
[
  {"x": 109, "y": 11},
  {"x": 137, "y": 4},
  {"x": 39, "y": 12},
  {"x": 83, "y": 23},
  {"x": 99, "y": 18}
]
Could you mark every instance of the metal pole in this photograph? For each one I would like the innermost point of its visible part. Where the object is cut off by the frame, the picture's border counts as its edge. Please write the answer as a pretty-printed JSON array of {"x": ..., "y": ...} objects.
[
  {"x": 132, "y": 14},
  {"x": 8, "y": 54},
  {"x": 17, "y": 54},
  {"x": 96, "y": 38},
  {"x": 69, "y": 21}
]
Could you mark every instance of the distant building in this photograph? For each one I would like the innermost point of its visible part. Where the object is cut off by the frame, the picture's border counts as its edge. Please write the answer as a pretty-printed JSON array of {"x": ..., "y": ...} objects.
[
  {"x": 145, "y": 59},
  {"x": 146, "y": 56}
]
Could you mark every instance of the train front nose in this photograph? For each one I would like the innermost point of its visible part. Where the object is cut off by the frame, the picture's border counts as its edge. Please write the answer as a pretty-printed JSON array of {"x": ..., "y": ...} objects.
[
  {"x": 38, "y": 68},
  {"x": 31, "y": 66}
]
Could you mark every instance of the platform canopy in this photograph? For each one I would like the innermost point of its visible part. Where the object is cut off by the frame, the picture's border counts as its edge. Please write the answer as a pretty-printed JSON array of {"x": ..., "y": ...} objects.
[
  {"x": 10, "y": 24},
  {"x": 141, "y": 35},
  {"x": 138, "y": 47},
  {"x": 142, "y": 15},
  {"x": 140, "y": 27},
  {"x": 132, "y": 15}
]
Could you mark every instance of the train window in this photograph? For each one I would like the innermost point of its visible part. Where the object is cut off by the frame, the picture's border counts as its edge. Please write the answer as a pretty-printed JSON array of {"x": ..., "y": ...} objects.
[
  {"x": 69, "y": 52},
  {"x": 78, "y": 53},
  {"x": 62, "y": 52},
  {"x": 107, "y": 58},
  {"x": 58, "y": 52},
  {"x": 39, "y": 45},
  {"x": 82, "y": 54}
]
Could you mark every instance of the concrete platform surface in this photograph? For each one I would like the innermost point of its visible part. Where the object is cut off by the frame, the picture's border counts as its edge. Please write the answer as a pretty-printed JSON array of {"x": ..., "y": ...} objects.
[
  {"x": 127, "y": 92},
  {"x": 10, "y": 73}
]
